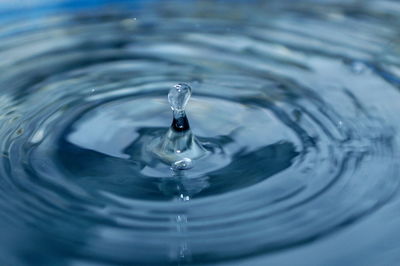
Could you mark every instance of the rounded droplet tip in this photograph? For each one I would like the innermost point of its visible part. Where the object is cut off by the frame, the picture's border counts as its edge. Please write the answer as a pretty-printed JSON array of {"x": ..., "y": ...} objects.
[{"x": 178, "y": 96}]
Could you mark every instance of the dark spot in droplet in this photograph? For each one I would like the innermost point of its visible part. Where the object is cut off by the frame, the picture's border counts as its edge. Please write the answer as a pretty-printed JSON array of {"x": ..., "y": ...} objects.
[{"x": 180, "y": 124}]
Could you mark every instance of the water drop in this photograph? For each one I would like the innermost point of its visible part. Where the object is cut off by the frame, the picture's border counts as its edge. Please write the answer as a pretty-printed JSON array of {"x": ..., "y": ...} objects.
[
  {"x": 178, "y": 97},
  {"x": 358, "y": 67},
  {"x": 178, "y": 147},
  {"x": 184, "y": 164},
  {"x": 183, "y": 197}
]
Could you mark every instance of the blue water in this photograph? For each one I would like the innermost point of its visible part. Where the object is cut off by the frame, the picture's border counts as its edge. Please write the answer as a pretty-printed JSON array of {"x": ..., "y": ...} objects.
[{"x": 294, "y": 110}]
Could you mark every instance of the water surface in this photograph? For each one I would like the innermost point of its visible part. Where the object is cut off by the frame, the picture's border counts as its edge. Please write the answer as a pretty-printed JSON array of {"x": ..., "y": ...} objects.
[{"x": 297, "y": 101}]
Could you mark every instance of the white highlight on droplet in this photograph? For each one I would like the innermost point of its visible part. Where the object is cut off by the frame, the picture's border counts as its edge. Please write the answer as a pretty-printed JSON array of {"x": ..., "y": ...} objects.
[{"x": 184, "y": 164}]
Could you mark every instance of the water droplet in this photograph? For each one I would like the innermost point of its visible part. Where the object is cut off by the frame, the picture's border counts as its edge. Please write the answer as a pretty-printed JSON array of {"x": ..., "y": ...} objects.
[
  {"x": 178, "y": 147},
  {"x": 183, "y": 198},
  {"x": 184, "y": 164},
  {"x": 358, "y": 67},
  {"x": 178, "y": 96},
  {"x": 20, "y": 131}
]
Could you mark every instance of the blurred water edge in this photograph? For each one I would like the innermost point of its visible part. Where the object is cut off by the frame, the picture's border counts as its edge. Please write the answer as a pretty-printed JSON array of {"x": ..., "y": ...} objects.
[{"x": 27, "y": 8}]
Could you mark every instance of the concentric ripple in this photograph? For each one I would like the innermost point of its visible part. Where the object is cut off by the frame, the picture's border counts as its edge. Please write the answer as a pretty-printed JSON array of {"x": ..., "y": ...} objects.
[{"x": 298, "y": 103}]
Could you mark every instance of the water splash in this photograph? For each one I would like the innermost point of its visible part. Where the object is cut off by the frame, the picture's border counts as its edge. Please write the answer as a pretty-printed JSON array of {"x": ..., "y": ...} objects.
[{"x": 179, "y": 147}]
